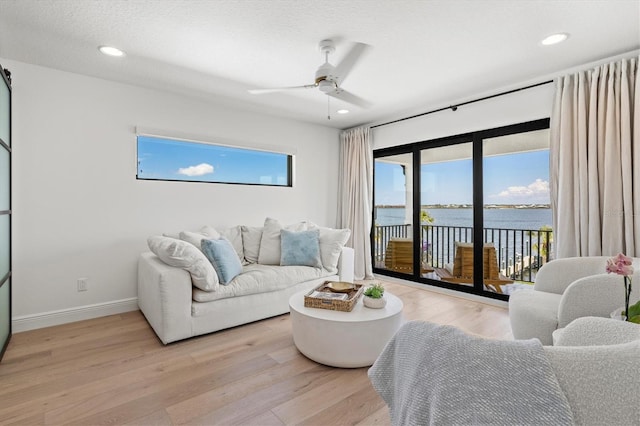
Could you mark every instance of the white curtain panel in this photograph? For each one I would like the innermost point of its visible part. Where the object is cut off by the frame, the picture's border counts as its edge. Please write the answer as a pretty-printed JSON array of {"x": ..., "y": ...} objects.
[
  {"x": 355, "y": 195},
  {"x": 595, "y": 161}
]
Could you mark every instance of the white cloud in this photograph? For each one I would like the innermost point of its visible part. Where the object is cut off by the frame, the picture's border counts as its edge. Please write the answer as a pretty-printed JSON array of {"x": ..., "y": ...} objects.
[
  {"x": 199, "y": 170},
  {"x": 534, "y": 191}
]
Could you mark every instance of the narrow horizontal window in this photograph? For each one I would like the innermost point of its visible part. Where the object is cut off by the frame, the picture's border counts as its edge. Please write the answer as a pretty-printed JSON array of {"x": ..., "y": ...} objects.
[{"x": 179, "y": 160}]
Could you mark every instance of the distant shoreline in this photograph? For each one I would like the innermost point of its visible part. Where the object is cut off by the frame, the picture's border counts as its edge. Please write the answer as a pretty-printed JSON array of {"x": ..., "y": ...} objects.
[{"x": 469, "y": 206}]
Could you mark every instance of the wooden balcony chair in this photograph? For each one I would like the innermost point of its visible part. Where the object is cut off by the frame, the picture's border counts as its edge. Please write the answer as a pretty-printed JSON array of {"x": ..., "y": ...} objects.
[
  {"x": 399, "y": 256},
  {"x": 462, "y": 272}
]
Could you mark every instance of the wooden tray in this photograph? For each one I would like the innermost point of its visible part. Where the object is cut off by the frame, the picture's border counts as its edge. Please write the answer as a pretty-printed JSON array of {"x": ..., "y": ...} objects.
[{"x": 333, "y": 304}]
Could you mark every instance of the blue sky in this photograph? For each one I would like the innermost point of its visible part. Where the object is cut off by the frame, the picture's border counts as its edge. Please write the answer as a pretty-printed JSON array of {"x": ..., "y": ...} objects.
[
  {"x": 179, "y": 160},
  {"x": 521, "y": 178}
]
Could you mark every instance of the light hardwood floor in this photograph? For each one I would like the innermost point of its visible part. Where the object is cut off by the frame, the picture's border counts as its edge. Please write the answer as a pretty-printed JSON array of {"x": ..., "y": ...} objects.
[{"x": 114, "y": 370}]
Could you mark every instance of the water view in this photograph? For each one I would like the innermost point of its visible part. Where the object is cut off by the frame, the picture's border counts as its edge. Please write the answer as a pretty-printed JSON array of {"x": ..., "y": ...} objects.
[{"x": 505, "y": 218}]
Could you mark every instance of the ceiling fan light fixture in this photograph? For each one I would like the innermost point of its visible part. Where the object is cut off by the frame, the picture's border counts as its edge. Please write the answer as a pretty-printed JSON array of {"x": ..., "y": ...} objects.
[
  {"x": 111, "y": 51},
  {"x": 554, "y": 39},
  {"x": 326, "y": 86}
]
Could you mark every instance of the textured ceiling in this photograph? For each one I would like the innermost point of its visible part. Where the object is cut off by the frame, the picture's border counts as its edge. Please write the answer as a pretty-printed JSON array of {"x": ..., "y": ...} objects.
[{"x": 424, "y": 54}]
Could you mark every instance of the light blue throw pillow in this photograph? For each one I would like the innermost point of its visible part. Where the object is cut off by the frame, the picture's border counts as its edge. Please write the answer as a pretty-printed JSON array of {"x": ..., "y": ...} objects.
[
  {"x": 300, "y": 248},
  {"x": 223, "y": 257}
]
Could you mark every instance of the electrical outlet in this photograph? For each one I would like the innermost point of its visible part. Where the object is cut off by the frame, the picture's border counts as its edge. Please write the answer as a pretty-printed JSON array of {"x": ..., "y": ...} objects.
[{"x": 82, "y": 284}]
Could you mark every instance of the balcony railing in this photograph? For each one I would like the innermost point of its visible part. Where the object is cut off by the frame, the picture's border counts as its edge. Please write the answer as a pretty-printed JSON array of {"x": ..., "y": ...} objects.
[{"x": 520, "y": 252}]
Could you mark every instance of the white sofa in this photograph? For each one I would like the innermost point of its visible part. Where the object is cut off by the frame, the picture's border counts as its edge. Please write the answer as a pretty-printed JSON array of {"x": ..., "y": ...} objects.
[
  {"x": 567, "y": 289},
  {"x": 177, "y": 309}
]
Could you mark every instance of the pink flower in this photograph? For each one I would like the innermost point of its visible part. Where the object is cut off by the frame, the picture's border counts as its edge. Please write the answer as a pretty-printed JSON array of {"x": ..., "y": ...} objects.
[{"x": 620, "y": 265}]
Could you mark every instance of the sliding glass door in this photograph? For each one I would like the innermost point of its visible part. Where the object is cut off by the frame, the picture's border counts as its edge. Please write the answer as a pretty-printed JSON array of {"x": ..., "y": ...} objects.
[
  {"x": 446, "y": 213},
  {"x": 517, "y": 213},
  {"x": 393, "y": 213},
  {"x": 468, "y": 212}
]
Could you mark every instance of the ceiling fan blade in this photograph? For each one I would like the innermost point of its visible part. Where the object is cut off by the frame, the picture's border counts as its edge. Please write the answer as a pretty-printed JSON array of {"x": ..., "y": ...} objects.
[
  {"x": 280, "y": 89},
  {"x": 343, "y": 69},
  {"x": 349, "y": 97}
]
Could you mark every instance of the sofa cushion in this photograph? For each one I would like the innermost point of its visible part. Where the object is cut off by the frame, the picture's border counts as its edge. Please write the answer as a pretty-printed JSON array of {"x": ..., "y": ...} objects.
[
  {"x": 300, "y": 248},
  {"x": 251, "y": 237},
  {"x": 181, "y": 254},
  {"x": 270, "y": 243},
  {"x": 207, "y": 231},
  {"x": 194, "y": 238},
  {"x": 331, "y": 243},
  {"x": 234, "y": 235},
  {"x": 223, "y": 257},
  {"x": 256, "y": 278},
  {"x": 211, "y": 232}
]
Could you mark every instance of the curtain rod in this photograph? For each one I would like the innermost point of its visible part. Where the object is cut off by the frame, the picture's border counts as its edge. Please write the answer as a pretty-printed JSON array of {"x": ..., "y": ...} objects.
[{"x": 455, "y": 107}]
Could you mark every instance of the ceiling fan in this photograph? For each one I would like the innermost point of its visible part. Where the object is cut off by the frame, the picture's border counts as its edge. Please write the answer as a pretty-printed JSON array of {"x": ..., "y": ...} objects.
[{"x": 329, "y": 77}]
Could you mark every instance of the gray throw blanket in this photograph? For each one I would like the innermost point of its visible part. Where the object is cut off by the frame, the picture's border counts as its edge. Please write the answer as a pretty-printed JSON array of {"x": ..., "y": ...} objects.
[{"x": 431, "y": 374}]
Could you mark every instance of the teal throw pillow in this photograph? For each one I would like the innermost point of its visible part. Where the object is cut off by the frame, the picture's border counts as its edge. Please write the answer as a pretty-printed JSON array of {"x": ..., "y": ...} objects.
[
  {"x": 223, "y": 257},
  {"x": 300, "y": 248}
]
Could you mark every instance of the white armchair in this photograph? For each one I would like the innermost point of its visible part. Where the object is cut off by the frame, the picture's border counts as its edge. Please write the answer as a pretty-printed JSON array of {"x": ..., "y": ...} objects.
[
  {"x": 566, "y": 289},
  {"x": 594, "y": 361},
  {"x": 435, "y": 374}
]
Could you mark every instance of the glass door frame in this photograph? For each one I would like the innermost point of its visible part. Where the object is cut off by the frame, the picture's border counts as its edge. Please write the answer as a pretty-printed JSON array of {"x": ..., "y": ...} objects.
[
  {"x": 415, "y": 148},
  {"x": 6, "y": 280}
]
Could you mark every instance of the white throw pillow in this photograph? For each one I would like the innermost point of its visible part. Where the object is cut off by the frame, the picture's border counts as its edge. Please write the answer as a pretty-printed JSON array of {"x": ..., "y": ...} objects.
[
  {"x": 208, "y": 231},
  {"x": 194, "y": 238},
  {"x": 234, "y": 235},
  {"x": 331, "y": 243},
  {"x": 251, "y": 237},
  {"x": 270, "y": 242},
  {"x": 211, "y": 232},
  {"x": 181, "y": 254}
]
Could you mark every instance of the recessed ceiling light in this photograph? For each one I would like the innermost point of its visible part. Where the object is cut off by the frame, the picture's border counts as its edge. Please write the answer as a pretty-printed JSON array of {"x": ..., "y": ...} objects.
[
  {"x": 555, "y": 39},
  {"x": 343, "y": 111},
  {"x": 111, "y": 51}
]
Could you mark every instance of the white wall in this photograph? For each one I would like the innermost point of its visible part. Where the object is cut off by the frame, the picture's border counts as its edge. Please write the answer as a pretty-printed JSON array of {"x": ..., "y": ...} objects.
[
  {"x": 78, "y": 210},
  {"x": 518, "y": 107}
]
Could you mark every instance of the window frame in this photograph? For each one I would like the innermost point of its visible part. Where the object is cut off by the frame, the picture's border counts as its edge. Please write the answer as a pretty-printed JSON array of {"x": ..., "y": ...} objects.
[
  {"x": 6, "y": 281},
  {"x": 224, "y": 144}
]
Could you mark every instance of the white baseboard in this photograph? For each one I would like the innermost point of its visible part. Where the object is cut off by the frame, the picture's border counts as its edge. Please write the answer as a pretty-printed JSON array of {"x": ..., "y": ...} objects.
[{"x": 64, "y": 316}]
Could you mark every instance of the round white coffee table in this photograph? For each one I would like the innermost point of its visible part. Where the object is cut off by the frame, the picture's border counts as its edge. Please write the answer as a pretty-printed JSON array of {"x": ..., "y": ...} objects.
[{"x": 344, "y": 339}]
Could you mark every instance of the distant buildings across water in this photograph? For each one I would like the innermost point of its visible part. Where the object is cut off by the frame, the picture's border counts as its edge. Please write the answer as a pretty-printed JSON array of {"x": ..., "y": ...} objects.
[{"x": 468, "y": 206}]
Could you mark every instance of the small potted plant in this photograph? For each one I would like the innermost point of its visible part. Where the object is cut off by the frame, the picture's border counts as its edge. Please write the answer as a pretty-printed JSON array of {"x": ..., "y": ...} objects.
[{"x": 374, "y": 296}]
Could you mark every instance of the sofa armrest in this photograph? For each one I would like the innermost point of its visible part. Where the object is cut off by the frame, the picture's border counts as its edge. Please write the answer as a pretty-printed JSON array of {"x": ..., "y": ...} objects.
[
  {"x": 557, "y": 275},
  {"x": 594, "y": 331},
  {"x": 346, "y": 264},
  {"x": 595, "y": 296},
  {"x": 164, "y": 297},
  {"x": 597, "y": 381}
]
